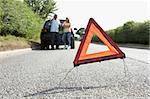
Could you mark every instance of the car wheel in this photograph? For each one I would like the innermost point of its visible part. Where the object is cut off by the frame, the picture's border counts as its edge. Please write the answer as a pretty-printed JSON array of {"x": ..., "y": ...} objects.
[{"x": 42, "y": 45}]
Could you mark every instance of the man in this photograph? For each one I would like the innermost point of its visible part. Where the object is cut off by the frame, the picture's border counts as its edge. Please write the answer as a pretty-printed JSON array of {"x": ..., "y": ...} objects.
[{"x": 54, "y": 32}]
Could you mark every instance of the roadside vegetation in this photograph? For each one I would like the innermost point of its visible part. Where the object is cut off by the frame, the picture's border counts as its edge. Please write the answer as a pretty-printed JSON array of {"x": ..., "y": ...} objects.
[
  {"x": 42, "y": 7},
  {"x": 19, "y": 20},
  {"x": 10, "y": 42},
  {"x": 130, "y": 32}
]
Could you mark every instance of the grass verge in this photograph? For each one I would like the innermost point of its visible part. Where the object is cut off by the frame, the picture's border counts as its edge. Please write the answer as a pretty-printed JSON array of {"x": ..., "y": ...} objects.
[{"x": 11, "y": 42}]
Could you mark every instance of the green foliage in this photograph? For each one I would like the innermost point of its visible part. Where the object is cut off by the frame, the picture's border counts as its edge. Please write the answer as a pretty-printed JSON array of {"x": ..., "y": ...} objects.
[
  {"x": 81, "y": 32},
  {"x": 131, "y": 32},
  {"x": 10, "y": 42},
  {"x": 19, "y": 20},
  {"x": 1, "y": 14},
  {"x": 96, "y": 39},
  {"x": 42, "y": 7}
]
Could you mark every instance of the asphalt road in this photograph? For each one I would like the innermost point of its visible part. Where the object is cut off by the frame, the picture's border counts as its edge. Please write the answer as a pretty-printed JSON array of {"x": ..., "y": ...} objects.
[{"x": 36, "y": 74}]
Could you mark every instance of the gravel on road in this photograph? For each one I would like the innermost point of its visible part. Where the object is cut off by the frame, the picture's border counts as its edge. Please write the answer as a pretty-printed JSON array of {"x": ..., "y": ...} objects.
[{"x": 39, "y": 74}]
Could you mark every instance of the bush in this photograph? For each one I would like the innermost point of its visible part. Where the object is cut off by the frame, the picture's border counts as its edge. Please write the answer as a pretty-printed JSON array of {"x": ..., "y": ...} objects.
[
  {"x": 96, "y": 39},
  {"x": 19, "y": 20},
  {"x": 131, "y": 32},
  {"x": 1, "y": 14}
]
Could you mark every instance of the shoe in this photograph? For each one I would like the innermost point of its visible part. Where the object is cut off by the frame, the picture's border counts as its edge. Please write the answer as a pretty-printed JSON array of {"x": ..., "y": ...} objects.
[{"x": 69, "y": 47}]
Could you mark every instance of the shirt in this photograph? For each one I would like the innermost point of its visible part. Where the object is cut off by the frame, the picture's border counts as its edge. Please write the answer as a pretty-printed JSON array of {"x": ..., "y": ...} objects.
[
  {"x": 66, "y": 27},
  {"x": 54, "y": 26}
]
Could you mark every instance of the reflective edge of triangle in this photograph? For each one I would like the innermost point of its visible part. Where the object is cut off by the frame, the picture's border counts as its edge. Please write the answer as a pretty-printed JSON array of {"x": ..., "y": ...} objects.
[{"x": 83, "y": 58}]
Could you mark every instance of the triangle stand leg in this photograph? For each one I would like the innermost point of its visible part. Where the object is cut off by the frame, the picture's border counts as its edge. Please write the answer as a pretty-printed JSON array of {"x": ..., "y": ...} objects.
[
  {"x": 125, "y": 68},
  {"x": 65, "y": 76},
  {"x": 78, "y": 76}
]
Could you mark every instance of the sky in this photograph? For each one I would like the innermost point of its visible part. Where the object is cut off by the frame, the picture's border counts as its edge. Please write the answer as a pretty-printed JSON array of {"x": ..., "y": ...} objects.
[{"x": 108, "y": 14}]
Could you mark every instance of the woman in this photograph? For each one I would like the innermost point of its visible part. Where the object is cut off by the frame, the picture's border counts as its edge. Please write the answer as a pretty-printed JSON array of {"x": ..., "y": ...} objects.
[{"x": 67, "y": 33}]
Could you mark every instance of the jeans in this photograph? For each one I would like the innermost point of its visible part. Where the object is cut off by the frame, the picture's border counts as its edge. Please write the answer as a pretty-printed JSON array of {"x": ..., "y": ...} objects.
[
  {"x": 55, "y": 37},
  {"x": 66, "y": 38}
]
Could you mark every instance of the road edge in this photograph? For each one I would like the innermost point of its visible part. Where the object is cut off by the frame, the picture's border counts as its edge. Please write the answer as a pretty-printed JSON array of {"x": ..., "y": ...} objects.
[{"x": 15, "y": 51}]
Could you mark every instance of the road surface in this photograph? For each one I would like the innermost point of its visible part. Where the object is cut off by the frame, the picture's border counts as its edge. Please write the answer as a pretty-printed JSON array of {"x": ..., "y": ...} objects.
[{"x": 49, "y": 74}]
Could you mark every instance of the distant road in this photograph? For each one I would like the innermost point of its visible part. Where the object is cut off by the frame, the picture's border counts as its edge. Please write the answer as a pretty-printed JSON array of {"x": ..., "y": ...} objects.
[{"x": 39, "y": 74}]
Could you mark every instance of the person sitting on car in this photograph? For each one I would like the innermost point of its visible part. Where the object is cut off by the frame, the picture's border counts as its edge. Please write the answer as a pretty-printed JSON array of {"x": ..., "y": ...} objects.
[
  {"x": 54, "y": 32},
  {"x": 67, "y": 33}
]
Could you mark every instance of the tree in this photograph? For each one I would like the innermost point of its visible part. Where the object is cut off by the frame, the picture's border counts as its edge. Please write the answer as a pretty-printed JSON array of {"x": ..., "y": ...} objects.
[
  {"x": 1, "y": 14},
  {"x": 42, "y": 7},
  {"x": 131, "y": 32},
  {"x": 128, "y": 29},
  {"x": 19, "y": 22},
  {"x": 143, "y": 32}
]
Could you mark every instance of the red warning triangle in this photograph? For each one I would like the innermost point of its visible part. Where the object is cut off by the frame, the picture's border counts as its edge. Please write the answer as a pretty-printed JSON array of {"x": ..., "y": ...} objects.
[{"x": 82, "y": 57}]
